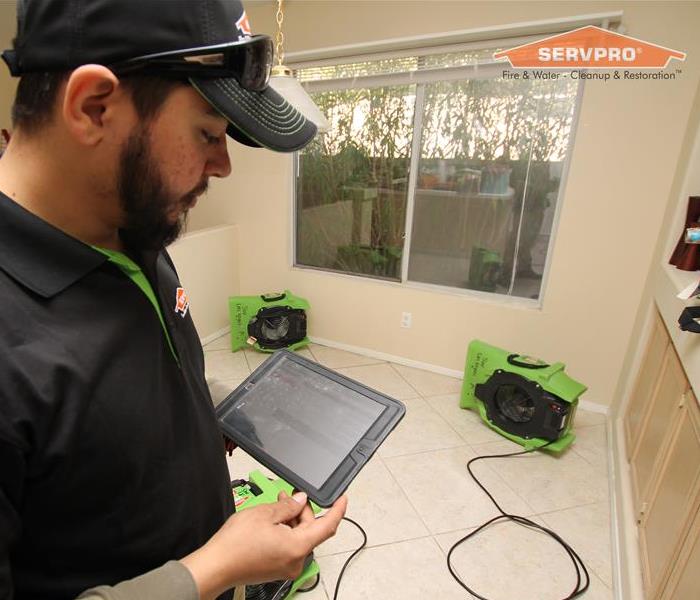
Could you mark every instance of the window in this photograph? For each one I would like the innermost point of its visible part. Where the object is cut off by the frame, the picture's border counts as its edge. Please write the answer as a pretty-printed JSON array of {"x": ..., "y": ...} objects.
[{"x": 436, "y": 170}]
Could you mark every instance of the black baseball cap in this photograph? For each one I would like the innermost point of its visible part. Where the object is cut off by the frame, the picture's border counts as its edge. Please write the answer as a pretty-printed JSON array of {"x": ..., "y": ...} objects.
[{"x": 208, "y": 42}]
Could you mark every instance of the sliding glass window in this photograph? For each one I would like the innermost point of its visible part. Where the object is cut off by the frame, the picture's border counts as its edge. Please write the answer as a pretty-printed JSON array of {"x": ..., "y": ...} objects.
[{"x": 435, "y": 170}]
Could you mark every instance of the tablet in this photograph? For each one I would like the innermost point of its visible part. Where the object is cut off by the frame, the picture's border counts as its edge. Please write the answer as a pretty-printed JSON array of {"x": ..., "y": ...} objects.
[{"x": 311, "y": 426}]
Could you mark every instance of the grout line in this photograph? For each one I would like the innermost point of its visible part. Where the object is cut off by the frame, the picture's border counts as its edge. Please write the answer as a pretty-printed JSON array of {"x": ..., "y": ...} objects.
[
  {"x": 449, "y": 423},
  {"x": 215, "y": 336},
  {"x": 457, "y": 394},
  {"x": 508, "y": 485},
  {"x": 322, "y": 586},
  {"x": 308, "y": 347},
  {"x": 215, "y": 350},
  {"x": 247, "y": 362},
  {"x": 470, "y": 528},
  {"x": 593, "y": 573},
  {"x": 438, "y": 449},
  {"x": 466, "y": 446},
  {"x": 382, "y": 545},
  {"x": 407, "y": 496},
  {"x": 579, "y": 427},
  {"x": 591, "y": 570},
  {"x": 375, "y": 361},
  {"x": 592, "y": 464},
  {"x": 408, "y": 383},
  {"x": 558, "y": 510},
  {"x": 594, "y": 407}
]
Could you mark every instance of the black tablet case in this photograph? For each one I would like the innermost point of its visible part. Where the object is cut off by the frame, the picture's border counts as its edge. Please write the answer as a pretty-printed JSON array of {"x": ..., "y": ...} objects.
[{"x": 311, "y": 426}]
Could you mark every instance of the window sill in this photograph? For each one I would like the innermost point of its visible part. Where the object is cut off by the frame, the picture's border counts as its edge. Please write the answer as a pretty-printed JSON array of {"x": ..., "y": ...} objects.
[{"x": 485, "y": 297}]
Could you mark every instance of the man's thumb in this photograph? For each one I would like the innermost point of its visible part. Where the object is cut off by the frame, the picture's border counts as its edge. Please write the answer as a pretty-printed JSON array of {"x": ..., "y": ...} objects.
[{"x": 288, "y": 508}]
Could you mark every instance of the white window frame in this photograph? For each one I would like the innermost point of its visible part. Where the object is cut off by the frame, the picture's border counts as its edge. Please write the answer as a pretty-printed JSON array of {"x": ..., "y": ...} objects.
[{"x": 514, "y": 34}]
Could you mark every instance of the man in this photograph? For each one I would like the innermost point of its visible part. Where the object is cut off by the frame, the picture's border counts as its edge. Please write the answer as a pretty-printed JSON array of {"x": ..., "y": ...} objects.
[{"x": 111, "y": 460}]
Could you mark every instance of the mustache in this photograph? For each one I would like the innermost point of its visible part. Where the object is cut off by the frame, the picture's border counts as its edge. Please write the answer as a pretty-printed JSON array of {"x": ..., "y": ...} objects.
[{"x": 198, "y": 190}]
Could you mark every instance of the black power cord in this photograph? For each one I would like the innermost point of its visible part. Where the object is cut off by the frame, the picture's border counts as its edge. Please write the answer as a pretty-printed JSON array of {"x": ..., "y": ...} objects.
[
  {"x": 347, "y": 562},
  {"x": 353, "y": 555},
  {"x": 579, "y": 567},
  {"x": 575, "y": 558}
]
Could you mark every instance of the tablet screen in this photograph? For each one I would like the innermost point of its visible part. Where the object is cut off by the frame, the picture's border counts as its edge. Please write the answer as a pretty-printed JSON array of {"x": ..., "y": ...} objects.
[{"x": 297, "y": 413}]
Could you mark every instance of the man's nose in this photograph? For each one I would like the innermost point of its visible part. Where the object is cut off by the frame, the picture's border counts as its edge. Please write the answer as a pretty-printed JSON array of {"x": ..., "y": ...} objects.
[{"x": 219, "y": 163}]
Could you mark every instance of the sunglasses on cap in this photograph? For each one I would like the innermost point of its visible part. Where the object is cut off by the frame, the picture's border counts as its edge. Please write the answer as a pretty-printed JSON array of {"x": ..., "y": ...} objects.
[{"x": 249, "y": 61}]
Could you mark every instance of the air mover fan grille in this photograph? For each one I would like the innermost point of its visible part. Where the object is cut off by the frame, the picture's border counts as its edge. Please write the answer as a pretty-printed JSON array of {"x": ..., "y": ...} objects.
[
  {"x": 273, "y": 590},
  {"x": 278, "y": 327},
  {"x": 514, "y": 403},
  {"x": 275, "y": 328},
  {"x": 520, "y": 407}
]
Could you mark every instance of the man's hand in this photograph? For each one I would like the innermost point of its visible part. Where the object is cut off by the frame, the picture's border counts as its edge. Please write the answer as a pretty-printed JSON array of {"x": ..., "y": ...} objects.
[
  {"x": 262, "y": 543},
  {"x": 229, "y": 446}
]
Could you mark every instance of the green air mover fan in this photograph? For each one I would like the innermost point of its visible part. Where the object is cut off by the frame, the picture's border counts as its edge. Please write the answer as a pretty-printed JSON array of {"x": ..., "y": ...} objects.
[
  {"x": 261, "y": 490},
  {"x": 268, "y": 322},
  {"x": 522, "y": 398},
  {"x": 484, "y": 269}
]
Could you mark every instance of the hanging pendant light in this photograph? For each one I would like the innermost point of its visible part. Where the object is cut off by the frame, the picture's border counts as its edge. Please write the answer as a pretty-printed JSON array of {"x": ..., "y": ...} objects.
[{"x": 282, "y": 80}]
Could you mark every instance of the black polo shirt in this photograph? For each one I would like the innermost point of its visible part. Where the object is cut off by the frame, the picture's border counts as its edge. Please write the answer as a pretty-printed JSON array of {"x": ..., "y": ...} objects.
[{"x": 111, "y": 459}]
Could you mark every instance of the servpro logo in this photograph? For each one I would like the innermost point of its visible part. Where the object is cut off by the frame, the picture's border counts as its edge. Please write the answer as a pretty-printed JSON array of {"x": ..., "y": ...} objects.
[
  {"x": 182, "y": 302},
  {"x": 587, "y": 55},
  {"x": 589, "y": 48},
  {"x": 243, "y": 26}
]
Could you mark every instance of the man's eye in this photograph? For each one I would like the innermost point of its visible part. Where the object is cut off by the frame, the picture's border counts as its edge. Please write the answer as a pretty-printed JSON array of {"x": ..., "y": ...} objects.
[{"x": 209, "y": 138}]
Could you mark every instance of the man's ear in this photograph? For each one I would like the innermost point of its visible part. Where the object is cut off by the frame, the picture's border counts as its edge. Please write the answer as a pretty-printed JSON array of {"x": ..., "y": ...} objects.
[{"x": 92, "y": 95}]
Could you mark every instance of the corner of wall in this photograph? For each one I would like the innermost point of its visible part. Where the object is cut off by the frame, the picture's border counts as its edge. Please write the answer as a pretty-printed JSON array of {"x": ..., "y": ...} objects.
[
  {"x": 208, "y": 266},
  {"x": 646, "y": 301}
]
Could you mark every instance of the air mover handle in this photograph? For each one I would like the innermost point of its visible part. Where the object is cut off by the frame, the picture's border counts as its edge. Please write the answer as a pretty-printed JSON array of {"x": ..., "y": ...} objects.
[
  {"x": 272, "y": 297},
  {"x": 513, "y": 360}
]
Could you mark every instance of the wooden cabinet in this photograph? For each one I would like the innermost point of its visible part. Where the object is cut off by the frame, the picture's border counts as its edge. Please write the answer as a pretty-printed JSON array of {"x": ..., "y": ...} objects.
[
  {"x": 663, "y": 410},
  {"x": 668, "y": 513},
  {"x": 683, "y": 581},
  {"x": 646, "y": 384},
  {"x": 662, "y": 430}
]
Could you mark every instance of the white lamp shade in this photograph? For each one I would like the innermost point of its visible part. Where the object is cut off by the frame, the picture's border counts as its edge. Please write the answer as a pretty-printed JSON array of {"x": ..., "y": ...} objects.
[{"x": 291, "y": 90}]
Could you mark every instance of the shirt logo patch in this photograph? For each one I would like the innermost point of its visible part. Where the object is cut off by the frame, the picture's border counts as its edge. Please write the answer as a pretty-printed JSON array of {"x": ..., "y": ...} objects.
[
  {"x": 244, "y": 26},
  {"x": 182, "y": 302}
]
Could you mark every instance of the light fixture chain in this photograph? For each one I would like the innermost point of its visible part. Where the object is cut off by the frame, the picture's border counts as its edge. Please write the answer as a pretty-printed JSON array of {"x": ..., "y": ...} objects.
[{"x": 279, "y": 48}]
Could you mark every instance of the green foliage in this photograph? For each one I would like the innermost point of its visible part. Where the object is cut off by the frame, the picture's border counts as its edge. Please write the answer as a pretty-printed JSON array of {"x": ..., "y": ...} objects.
[
  {"x": 468, "y": 126},
  {"x": 366, "y": 260}
]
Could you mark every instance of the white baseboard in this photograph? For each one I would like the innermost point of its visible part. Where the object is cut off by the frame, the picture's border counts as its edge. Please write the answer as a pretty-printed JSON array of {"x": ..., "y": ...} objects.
[
  {"x": 389, "y": 357},
  {"x": 583, "y": 404},
  {"x": 595, "y": 407},
  {"x": 626, "y": 565},
  {"x": 215, "y": 336},
  {"x": 615, "y": 537}
]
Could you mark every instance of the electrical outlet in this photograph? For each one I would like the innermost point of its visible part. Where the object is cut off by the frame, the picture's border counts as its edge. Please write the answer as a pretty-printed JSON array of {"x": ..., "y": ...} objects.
[{"x": 406, "y": 320}]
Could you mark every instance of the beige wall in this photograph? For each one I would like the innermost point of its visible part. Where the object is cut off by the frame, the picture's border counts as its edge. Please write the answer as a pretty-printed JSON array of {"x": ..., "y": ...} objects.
[
  {"x": 627, "y": 148},
  {"x": 664, "y": 281},
  {"x": 207, "y": 265},
  {"x": 662, "y": 284},
  {"x": 7, "y": 83}
]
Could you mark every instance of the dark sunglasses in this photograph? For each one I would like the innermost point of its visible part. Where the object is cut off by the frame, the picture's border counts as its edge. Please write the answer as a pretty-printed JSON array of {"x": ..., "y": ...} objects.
[{"x": 249, "y": 61}]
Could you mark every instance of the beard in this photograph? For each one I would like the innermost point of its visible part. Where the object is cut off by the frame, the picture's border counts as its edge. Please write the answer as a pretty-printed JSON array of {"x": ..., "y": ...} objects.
[{"x": 147, "y": 204}]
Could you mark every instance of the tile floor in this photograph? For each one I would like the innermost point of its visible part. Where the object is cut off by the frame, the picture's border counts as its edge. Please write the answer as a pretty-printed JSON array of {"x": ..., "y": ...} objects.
[{"x": 415, "y": 498}]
